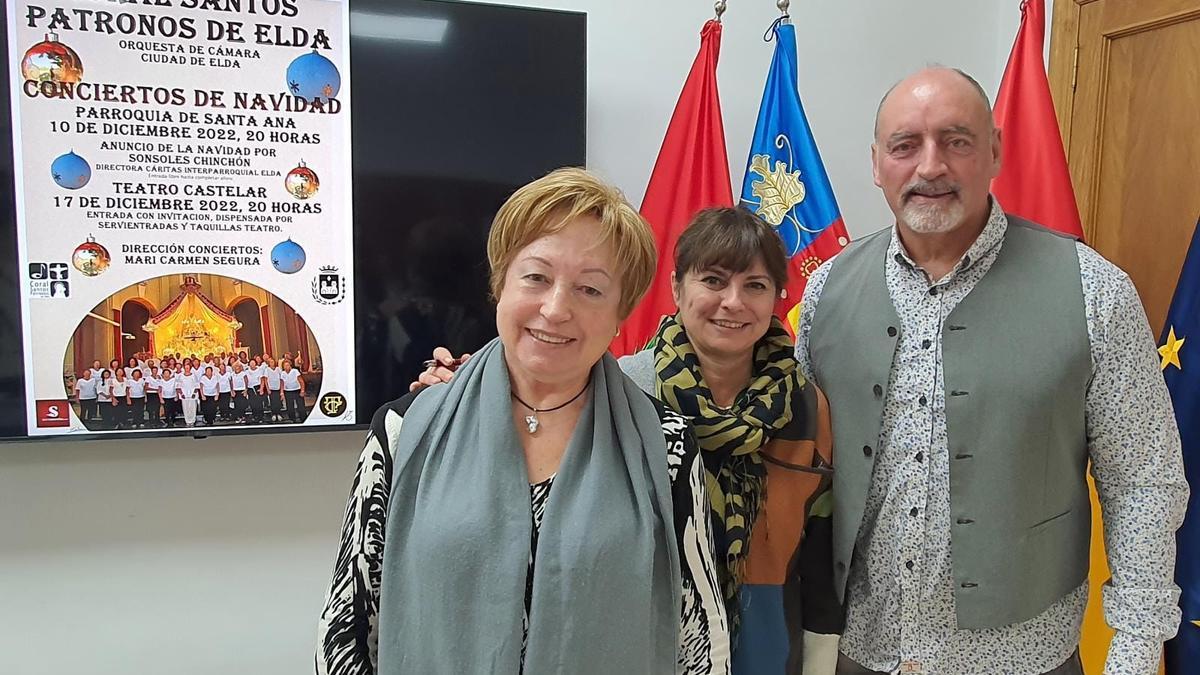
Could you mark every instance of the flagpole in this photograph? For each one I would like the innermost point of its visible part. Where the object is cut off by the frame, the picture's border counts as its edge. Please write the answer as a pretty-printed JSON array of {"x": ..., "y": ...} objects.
[
  {"x": 719, "y": 9},
  {"x": 784, "y": 17}
]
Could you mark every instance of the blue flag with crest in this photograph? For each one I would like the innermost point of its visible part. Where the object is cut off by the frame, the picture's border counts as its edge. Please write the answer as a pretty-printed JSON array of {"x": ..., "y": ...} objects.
[{"x": 785, "y": 182}]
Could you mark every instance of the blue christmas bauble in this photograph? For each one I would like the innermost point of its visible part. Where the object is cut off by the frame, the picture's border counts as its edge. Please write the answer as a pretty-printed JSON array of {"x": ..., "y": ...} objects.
[
  {"x": 71, "y": 171},
  {"x": 313, "y": 76},
  {"x": 288, "y": 257}
]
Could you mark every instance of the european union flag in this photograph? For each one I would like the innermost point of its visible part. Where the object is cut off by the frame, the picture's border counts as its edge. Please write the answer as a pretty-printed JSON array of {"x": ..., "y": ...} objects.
[
  {"x": 1180, "y": 351},
  {"x": 785, "y": 182}
]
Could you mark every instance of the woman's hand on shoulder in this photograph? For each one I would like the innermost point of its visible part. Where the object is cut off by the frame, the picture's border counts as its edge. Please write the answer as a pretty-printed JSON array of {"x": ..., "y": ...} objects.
[{"x": 439, "y": 369}]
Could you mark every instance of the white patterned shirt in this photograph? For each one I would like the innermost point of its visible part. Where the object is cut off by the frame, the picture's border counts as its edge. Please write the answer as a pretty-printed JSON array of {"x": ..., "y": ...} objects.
[{"x": 900, "y": 591}]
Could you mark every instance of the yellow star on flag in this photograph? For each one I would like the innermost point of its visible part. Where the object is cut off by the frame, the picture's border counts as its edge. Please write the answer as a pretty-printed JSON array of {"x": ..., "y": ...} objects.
[
  {"x": 1196, "y": 623},
  {"x": 1170, "y": 351}
]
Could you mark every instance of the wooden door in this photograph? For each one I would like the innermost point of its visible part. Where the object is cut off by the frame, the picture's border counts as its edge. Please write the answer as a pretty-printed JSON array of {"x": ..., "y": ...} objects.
[
  {"x": 1131, "y": 124},
  {"x": 1126, "y": 81}
]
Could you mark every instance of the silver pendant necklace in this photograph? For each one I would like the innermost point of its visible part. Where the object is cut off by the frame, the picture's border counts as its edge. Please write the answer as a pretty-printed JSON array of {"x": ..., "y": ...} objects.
[{"x": 531, "y": 421}]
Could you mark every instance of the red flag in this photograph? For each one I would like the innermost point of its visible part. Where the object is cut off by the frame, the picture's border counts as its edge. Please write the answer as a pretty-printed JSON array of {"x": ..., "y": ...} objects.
[
  {"x": 691, "y": 173},
  {"x": 1034, "y": 182}
]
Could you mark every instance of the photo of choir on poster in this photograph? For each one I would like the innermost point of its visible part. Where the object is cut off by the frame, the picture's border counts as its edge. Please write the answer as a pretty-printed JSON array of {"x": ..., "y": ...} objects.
[{"x": 192, "y": 363}]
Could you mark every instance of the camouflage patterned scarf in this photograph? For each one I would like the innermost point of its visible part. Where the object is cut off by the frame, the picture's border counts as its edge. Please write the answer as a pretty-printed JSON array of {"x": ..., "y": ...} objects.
[{"x": 731, "y": 437}]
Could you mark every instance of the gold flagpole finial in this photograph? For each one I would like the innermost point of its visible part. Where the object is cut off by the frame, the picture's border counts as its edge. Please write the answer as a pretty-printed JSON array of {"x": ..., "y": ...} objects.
[{"x": 719, "y": 8}]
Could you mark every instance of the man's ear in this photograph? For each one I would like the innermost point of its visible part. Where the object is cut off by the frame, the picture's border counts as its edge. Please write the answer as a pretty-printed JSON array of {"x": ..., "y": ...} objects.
[
  {"x": 875, "y": 165},
  {"x": 997, "y": 152}
]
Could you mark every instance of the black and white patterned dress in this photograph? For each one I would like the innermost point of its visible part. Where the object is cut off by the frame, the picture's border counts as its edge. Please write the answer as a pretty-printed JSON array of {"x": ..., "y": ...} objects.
[{"x": 348, "y": 635}]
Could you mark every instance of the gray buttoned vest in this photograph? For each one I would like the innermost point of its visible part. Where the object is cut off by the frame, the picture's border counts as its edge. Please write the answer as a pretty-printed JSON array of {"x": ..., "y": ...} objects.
[{"x": 1016, "y": 362}]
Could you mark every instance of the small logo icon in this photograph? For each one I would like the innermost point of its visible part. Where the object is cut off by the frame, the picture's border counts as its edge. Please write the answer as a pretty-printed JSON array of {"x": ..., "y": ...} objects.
[
  {"x": 332, "y": 404},
  {"x": 53, "y": 413},
  {"x": 49, "y": 280},
  {"x": 328, "y": 287}
]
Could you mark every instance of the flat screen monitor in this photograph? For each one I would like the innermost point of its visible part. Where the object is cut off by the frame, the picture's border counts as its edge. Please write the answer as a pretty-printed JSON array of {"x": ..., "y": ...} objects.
[{"x": 344, "y": 227}]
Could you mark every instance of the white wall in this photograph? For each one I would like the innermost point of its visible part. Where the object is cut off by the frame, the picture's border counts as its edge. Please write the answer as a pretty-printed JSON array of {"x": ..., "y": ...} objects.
[
  {"x": 185, "y": 556},
  {"x": 168, "y": 556}
]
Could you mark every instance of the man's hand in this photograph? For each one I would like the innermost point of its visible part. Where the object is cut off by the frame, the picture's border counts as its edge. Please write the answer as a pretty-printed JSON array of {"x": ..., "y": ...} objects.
[{"x": 438, "y": 370}]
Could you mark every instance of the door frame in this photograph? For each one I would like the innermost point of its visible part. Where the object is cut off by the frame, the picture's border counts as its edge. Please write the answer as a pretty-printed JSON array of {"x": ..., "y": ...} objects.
[{"x": 1062, "y": 73}]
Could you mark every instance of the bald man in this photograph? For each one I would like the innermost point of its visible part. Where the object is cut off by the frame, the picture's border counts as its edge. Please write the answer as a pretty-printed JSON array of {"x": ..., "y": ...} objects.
[{"x": 975, "y": 362}]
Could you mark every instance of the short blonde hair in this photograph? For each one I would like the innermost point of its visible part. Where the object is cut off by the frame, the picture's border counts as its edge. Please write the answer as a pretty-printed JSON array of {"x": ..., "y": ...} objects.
[{"x": 550, "y": 203}]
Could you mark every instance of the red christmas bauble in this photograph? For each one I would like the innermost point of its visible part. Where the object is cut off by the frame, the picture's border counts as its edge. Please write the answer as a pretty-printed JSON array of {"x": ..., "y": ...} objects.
[
  {"x": 52, "y": 61},
  {"x": 302, "y": 182},
  {"x": 91, "y": 258}
]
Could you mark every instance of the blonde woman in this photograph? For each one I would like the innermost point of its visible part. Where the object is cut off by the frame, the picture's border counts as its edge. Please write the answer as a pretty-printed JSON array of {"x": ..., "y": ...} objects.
[{"x": 540, "y": 513}]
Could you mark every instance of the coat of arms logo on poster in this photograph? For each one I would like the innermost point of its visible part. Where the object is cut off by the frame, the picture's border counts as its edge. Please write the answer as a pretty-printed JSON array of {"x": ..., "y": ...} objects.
[{"x": 329, "y": 287}]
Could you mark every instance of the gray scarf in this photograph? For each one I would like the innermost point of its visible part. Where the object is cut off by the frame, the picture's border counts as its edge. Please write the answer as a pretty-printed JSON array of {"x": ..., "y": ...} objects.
[{"x": 606, "y": 585}]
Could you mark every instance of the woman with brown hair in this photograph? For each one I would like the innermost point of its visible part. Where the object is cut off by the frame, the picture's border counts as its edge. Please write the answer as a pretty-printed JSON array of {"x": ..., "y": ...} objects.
[
  {"x": 168, "y": 390},
  {"x": 104, "y": 400},
  {"x": 137, "y": 400},
  {"x": 210, "y": 389}
]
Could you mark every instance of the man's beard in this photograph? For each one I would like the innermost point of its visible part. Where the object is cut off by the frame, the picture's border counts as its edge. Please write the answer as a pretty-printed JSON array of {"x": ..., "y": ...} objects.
[{"x": 932, "y": 217}]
